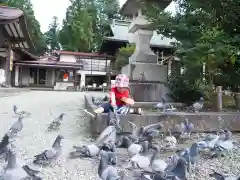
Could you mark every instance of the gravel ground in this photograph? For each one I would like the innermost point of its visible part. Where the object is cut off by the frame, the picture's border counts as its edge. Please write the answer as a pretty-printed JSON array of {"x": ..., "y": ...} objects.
[{"x": 46, "y": 105}]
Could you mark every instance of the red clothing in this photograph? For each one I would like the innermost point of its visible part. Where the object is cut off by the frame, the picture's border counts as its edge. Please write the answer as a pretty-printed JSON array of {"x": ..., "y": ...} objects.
[{"x": 119, "y": 96}]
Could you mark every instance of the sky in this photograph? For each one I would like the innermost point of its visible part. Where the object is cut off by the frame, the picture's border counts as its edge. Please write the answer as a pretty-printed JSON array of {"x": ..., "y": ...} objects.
[{"x": 58, "y": 8}]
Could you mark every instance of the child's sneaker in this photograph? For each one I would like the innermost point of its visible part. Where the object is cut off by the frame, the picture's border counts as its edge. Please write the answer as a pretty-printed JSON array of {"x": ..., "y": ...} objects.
[{"x": 136, "y": 111}]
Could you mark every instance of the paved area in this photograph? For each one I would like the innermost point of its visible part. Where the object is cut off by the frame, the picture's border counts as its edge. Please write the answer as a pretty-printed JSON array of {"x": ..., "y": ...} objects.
[{"x": 44, "y": 106}]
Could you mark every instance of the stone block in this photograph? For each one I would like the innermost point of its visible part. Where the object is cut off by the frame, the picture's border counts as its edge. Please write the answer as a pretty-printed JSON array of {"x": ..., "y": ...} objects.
[
  {"x": 152, "y": 72},
  {"x": 203, "y": 121}
]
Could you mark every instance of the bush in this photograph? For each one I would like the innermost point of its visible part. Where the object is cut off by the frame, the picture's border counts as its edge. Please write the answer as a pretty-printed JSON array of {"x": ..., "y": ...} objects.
[
  {"x": 183, "y": 90},
  {"x": 123, "y": 55}
]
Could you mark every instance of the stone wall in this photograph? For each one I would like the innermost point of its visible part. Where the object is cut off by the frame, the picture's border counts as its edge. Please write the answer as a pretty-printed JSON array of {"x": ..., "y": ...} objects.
[{"x": 204, "y": 121}]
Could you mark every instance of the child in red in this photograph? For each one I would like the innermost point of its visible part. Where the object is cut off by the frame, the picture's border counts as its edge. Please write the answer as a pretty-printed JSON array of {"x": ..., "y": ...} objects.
[{"x": 119, "y": 98}]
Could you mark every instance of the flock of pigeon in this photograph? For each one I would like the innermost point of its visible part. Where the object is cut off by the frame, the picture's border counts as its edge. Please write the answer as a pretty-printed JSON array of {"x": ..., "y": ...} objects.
[
  {"x": 143, "y": 156},
  {"x": 144, "y": 151},
  {"x": 14, "y": 169}
]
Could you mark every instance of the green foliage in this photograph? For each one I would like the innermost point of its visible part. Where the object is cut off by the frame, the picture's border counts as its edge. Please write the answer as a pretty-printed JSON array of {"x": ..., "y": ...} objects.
[
  {"x": 207, "y": 32},
  {"x": 52, "y": 35},
  {"x": 77, "y": 31},
  {"x": 32, "y": 24},
  {"x": 86, "y": 23},
  {"x": 123, "y": 55}
]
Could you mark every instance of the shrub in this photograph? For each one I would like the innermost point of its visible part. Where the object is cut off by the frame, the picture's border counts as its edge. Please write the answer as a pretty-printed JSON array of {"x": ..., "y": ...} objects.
[
  {"x": 123, "y": 55},
  {"x": 183, "y": 90}
]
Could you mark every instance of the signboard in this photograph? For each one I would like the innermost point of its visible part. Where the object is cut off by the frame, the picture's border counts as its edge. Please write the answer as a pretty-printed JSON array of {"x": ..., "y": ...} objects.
[{"x": 11, "y": 60}]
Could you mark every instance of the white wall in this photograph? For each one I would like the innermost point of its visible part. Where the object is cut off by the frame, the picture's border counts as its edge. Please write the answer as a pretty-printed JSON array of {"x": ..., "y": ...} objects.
[{"x": 67, "y": 58}]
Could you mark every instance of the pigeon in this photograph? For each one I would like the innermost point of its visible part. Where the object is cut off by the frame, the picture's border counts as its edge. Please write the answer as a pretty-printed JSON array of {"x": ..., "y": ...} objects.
[
  {"x": 191, "y": 155},
  {"x": 161, "y": 105},
  {"x": 92, "y": 150},
  {"x": 132, "y": 148},
  {"x": 219, "y": 176},
  {"x": 198, "y": 105},
  {"x": 20, "y": 112},
  {"x": 146, "y": 132},
  {"x": 4, "y": 144},
  {"x": 209, "y": 141},
  {"x": 106, "y": 170},
  {"x": 114, "y": 120},
  {"x": 56, "y": 122},
  {"x": 109, "y": 134},
  {"x": 186, "y": 128},
  {"x": 170, "y": 141},
  {"x": 16, "y": 127},
  {"x": 170, "y": 108},
  {"x": 224, "y": 143},
  {"x": 180, "y": 171},
  {"x": 15, "y": 171},
  {"x": 47, "y": 156},
  {"x": 143, "y": 162},
  {"x": 157, "y": 164}
]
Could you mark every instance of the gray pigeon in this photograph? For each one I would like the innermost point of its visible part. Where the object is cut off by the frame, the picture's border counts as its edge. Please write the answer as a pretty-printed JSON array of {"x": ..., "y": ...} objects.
[
  {"x": 145, "y": 133},
  {"x": 92, "y": 150},
  {"x": 49, "y": 155},
  {"x": 19, "y": 112},
  {"x": 219, "y": 176},
  {"x": 161, "y": 105},
  {"x": 106, "y": 170},
  {"x": 197, "y": 106},
  {"x": 4, "y": 144},
  {"x": 16, "y": 127},
  {"x": 180, "y": 171},
  {"x": 56, "y": 122},
  {"x": 132, "y": 147},
  {"x": 191, "y": 155},
  {"x": 114, "y": 120},
  {"x": 15, "y": 171},
  {"x": 109, "y": 134}
]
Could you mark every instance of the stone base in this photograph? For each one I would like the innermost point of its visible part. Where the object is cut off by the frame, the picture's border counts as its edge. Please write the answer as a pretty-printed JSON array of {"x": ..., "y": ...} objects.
[
  {"x": 151, "y": 72},
  {"x": 63, "y": 85},
  {"x": 203, "y": 122},
  {"x": 143, "y": 57},
  {"x": 148, "y": 92}
]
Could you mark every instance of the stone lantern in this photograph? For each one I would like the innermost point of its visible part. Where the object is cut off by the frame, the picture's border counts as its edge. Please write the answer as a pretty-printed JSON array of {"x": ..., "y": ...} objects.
[{"x": 144, "y": 59}]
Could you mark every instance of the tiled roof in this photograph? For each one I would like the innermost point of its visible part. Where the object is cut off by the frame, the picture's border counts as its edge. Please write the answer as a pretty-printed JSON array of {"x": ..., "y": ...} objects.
[
  {"x": 13, "y": 24},
  {"x": 81, "y": 54},
  {"x": 120, "y": 33}
]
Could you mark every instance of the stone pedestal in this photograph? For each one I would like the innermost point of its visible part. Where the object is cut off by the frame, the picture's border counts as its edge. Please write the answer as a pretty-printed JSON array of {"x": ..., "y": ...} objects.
[
  {"x": 147, "y": 77},
  {"x": 143, "y": 52}
]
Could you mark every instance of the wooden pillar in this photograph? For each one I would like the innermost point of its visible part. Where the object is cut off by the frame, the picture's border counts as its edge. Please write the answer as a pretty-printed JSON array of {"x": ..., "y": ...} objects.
[
  {"x": 20, "y": 76},
  {"x": 37, "y": 75},
  {"x": 9, "y": 66},
  {"x": 74, "y": 79},
  {"x": 219, "y": 98}
]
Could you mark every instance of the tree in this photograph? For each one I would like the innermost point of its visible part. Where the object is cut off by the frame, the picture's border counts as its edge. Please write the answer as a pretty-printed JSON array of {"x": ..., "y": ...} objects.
[
  {"x": 32, "y": 24},
  {"x": 123, "y": 55},
  {"x": 52, "y": 35},
  {"x": 77, "y": 31},
  {"x": 206, "y": 32},
  {"x": 86, "y": 23}
]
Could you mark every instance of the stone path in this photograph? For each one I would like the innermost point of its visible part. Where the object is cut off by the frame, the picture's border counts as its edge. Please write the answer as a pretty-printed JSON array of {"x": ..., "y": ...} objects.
[{"x": 44, "y": 106}]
